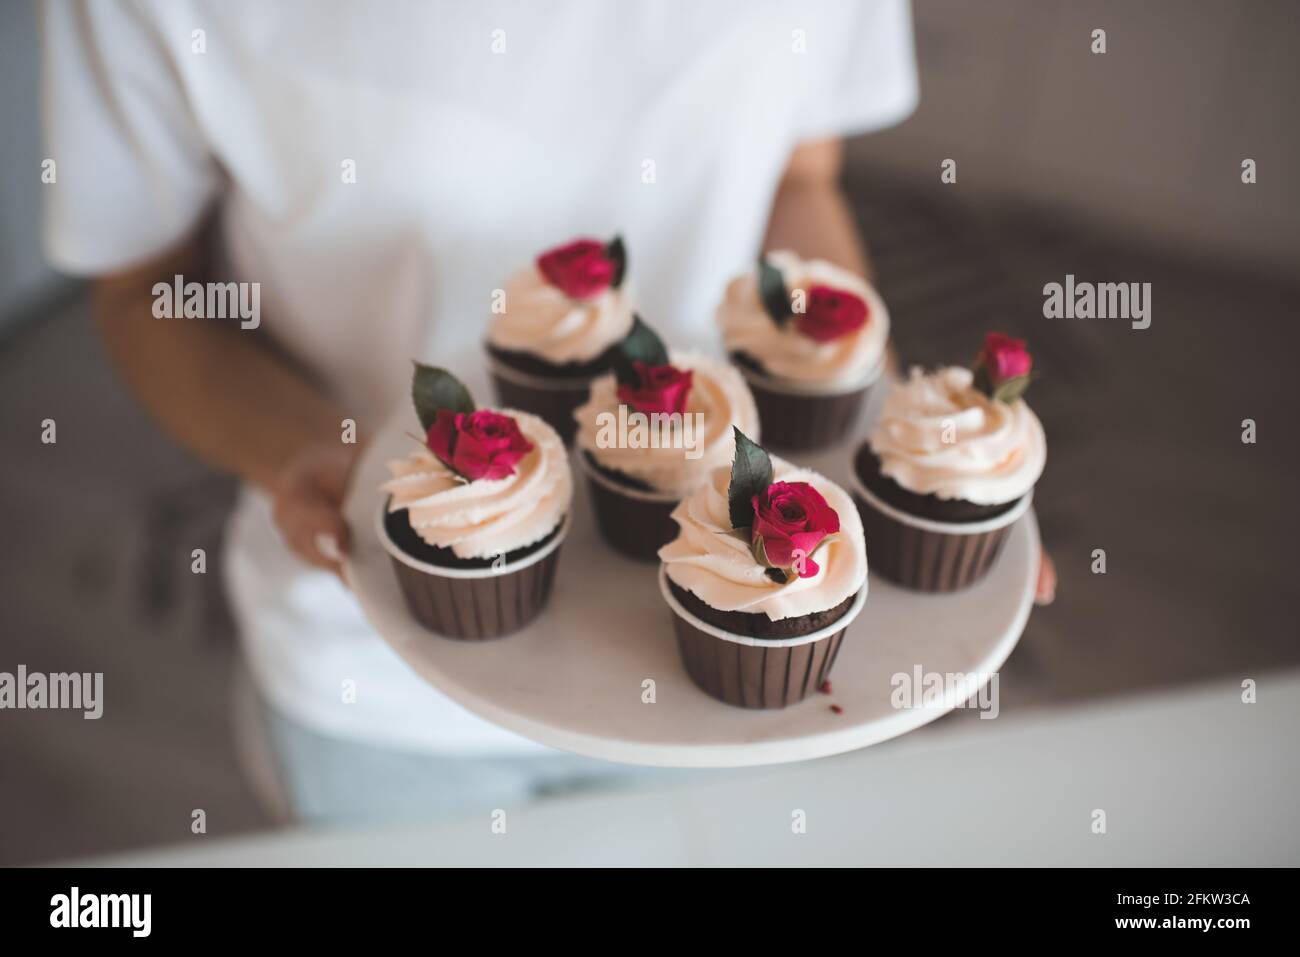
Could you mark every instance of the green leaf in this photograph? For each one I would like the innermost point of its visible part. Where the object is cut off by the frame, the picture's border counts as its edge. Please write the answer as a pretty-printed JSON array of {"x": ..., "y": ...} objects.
[
  {"x": 751, "y": 474},
  {"x": 617, "y": 253},
  {"x": 1012, "y": 389},
  {"x": 641, "y": 345},
  {"x": 433, "y": 389},
  {"x": 772, "y": 291}
]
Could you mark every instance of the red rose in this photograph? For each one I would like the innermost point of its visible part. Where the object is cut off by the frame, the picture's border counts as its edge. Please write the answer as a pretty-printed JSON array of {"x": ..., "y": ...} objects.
[
  {"x": 662, "y": 389},
  {"x": 1005, "y": 358},
  {"x": 831, "y": 313},
  {"x": 580, "y": 269},
  {"x": 790, "y": 521},
  {"x": 480, "y": 444}
]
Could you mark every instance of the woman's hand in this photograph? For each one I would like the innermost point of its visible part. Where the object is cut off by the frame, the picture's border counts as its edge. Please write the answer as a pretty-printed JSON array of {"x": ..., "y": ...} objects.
[
  {"x": 1045, "y": 590},
  {"x": 307, "y": 501},
  {"x": 230, "y": 398}
]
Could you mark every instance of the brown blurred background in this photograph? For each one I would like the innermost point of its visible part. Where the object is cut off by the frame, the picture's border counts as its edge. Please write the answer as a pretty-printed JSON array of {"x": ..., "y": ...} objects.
[{"x": 1121, "y": 167}]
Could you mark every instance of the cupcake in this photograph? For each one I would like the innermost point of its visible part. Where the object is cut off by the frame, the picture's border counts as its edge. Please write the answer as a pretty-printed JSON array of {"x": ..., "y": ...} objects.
[
  {"x": 651, "y": 432},
  {"x": 475, "y": 515},
  {"x": 810, "y": 338},
  {"x": 556, "y": 328},
  {"x": 765, "y": 576},
  {"x": 949, "y": 468}
]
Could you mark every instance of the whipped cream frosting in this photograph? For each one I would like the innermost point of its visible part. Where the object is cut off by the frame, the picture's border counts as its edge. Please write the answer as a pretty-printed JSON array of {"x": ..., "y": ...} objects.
[
  {"x": 486, "y": 517},
  {"x": 717, "y": 390},
  {"x": 786, "y": 353},
  {"x": 996, "y": 453},
  {"x": 541, "y": 320},
  {"x": 707, "y": 558}
]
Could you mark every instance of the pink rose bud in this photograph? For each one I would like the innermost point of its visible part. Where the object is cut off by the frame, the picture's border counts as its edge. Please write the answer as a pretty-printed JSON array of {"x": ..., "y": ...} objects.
[
  {"x": 1005, "y": 358},
  {"x": 480, "y": 444},
  {"x": 580, "y": 269},
  {"x": 790, "y": 520},
  {"x": 831, "y": 313},
  {"x": 661, "y": 389}
]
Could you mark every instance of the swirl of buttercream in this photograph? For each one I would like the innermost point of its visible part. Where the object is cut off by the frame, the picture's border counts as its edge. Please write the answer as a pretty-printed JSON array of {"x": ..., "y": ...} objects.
[
  {"x": 710, "y": 560},
  {"x": 939, "y": 435},
  {"x": 786, "y": 353},
  {"x": 486, "y": 517},
  {"x": 541, "y": 320},
  {"x": 718, "y": 392}
]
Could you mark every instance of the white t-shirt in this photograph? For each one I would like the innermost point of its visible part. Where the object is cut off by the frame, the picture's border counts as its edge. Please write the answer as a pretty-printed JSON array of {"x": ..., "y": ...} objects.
[{"x": 477, "y": 134}]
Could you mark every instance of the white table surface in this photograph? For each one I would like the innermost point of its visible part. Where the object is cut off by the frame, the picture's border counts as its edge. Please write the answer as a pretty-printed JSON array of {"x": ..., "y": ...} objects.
[{"x": 1189, "y": 778}]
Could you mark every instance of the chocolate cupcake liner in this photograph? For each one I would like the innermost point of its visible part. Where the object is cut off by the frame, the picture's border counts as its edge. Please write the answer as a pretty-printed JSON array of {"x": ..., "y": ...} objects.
[
  {"x": 634, "y": 522},
  {"x": 552, "y": 400},
  {"x": 756, "y": 672},
  {"x": 926, "y": 555},
  {"x": 474, "y": 604},
  {"x": 797, "y": 419}
]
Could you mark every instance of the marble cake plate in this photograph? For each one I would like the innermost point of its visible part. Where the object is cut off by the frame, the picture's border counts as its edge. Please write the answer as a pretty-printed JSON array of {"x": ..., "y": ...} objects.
[{"x": 575, "y": 679}]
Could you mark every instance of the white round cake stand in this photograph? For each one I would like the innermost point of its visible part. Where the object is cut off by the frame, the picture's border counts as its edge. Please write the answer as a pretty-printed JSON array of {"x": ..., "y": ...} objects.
[{"x": 576, "y": 678}]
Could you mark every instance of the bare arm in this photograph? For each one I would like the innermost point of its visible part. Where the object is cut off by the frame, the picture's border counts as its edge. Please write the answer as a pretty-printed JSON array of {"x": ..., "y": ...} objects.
[
  {"x": 810, "y": 214},
  {"x": 224, "y": 395}
]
